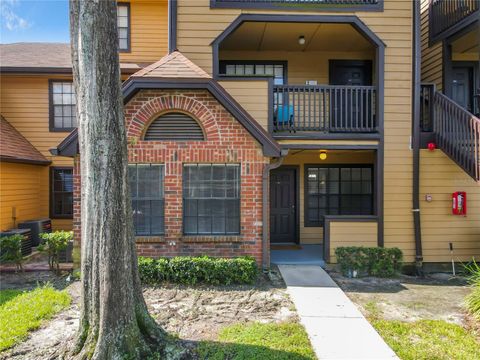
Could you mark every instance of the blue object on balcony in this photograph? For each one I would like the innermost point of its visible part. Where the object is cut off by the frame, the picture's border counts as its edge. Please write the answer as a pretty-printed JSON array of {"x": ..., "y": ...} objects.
[{"x": 285, "y": 115}]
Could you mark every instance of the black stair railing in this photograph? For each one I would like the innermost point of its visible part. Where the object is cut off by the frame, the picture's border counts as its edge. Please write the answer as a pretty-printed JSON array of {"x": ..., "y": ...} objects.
[{"x": 457, "y": 133}]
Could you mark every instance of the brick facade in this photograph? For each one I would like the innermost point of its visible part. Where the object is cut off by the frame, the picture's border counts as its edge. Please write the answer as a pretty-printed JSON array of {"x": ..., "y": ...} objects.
[{"x": 226, "y": 141}]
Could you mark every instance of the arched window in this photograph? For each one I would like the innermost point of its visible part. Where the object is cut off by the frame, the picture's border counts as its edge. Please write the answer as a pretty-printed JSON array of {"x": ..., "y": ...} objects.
[{"x": 174, "y": 126}]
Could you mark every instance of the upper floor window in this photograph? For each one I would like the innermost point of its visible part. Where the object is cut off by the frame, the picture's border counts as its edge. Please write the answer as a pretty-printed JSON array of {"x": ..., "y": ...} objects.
[
  {"x": 123, "y": 24},
  {"x": 255, "y": 68},
  {"x": 62, "y": 106},
  {"x": 61, "y": 193}
]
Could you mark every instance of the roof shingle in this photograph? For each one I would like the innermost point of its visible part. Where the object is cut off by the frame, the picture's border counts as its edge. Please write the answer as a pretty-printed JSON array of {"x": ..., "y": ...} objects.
[
  {"x": 15, "y": 148},
  {"x": 174, "y": 65},
  {"x": 44, "y": 56}
]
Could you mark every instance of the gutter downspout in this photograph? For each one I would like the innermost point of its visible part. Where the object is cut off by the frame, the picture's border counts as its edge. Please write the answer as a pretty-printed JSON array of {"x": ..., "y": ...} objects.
[
  {"x": 265, "y": 205},
  {"x": 416, "y": 66}
]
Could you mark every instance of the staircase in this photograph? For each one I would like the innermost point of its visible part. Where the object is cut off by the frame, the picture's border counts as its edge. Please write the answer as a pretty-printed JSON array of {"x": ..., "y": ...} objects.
[{"x": 456, "y": 131}]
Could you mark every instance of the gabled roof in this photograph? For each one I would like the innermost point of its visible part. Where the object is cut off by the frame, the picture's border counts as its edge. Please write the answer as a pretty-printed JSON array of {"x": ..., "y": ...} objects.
[
  {"x": 174, "y": 65},
  {"x": 15, "y": 148},
  {"x": 43, "y": 58},
  {"x": 175, "y": 71}
]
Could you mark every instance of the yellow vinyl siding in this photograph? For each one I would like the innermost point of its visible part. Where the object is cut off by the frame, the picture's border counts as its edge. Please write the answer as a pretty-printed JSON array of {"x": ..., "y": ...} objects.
[
  {"x": 352, "y": 234},
  {"x": 148, "y": 31},
  {"x": 252, "y": 96},
  {"x": 432, "y": 71},
  {"x": 21, "y": 187},
  {"x": 309, "y": 234},
  {"x": 24, "y": 102},
  {"x": 198, "y": 26},
  {"x": 440, "y": 177}
]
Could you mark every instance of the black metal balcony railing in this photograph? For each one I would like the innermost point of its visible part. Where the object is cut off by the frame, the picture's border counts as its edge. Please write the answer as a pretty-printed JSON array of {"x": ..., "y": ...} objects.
[
  {"x": 457, "y": 133},
  {"x": 443, "y": 14},
  {"x": 313, "y": 2},
  {"x": 325, "y": 4},
  {"x": 324, "y": 108}
]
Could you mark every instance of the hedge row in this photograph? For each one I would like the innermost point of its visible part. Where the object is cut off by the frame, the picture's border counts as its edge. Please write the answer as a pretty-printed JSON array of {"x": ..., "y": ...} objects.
[
  {"x": 372, "y": 261},
  {"x": 198, "y": 270}
]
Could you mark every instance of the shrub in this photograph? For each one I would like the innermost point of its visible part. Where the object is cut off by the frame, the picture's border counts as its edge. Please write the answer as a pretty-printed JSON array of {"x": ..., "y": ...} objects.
[
  {"x": 198, "y": 270},
  {"x": 472, "y": 301},
  {"x": 53, "y": 243},
  {"x": 374, "y": 261},
  {"x": 11, "y": 250}
]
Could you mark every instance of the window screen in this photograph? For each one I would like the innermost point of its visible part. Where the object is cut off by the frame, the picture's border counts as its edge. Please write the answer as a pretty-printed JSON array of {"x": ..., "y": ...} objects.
[
  {"x": 211, "y": 199},
  {"x": 61, "y": 193},
  {"x": 146, "y": 184},
  {"x": 337, "y": 191},
  {"x": 123, "y": 25},
  {"x": 63, "y": 113},
  {"x": 237, "y": 68}
]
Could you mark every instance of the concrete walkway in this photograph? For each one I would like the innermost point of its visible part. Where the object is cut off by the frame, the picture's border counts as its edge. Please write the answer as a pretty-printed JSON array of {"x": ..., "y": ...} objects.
[{"x": 336, "y": 328}]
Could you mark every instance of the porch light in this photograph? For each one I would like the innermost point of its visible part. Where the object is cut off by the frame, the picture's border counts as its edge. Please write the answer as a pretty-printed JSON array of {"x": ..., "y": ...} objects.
[
  {"x": 301, "y": 40},
  {"x": 323, "y": 155}
]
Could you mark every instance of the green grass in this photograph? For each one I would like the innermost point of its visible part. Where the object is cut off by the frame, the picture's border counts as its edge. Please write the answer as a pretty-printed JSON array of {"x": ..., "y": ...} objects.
[
  {"x": 20, "y": 313},
  {"x": 256, "y": 341},
  {"x": 428, "y": 339}
]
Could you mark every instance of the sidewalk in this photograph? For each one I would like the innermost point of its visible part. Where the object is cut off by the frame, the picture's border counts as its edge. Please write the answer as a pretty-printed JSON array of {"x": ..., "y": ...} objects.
[{"x": 336, "y": 328}]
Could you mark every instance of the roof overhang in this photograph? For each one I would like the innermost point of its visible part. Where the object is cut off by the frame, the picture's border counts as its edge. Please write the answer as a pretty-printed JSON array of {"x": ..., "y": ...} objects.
[
  {"x": 69, "y": 146},
  {"x": 10, "y": 159}
]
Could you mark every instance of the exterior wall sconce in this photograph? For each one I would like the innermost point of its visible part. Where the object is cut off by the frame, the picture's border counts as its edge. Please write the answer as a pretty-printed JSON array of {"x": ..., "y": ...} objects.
[
  {"x": 323, "y": 155},
  {"x": 301, "y": 40}
]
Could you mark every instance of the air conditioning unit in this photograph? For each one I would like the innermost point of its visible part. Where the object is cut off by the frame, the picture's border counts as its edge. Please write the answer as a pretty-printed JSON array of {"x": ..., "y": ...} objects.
[
  {"x": 65, "y": 255},
  {"x": 27, "y": 239},
  {"x": 37, "y": 227}
]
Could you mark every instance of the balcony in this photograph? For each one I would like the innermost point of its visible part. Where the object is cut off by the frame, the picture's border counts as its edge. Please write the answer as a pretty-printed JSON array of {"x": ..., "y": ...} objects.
[
  {"x": 445, "y": 15},
  {"x": 323, "y": 109},
  {"x": 321, "y": 5}
]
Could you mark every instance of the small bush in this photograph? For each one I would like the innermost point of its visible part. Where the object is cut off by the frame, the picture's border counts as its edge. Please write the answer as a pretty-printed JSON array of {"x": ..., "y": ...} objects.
[
  {"x": 373, "y": 261},
  {"x": 472, "y": 301},
  {"x": 198, "y": 270},
  {"x": 53, "y": 243},
  {"x": 11, "y": 250}
]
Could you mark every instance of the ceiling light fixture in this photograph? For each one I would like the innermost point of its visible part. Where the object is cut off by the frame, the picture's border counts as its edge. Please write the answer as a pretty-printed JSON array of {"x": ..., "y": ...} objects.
[
  {"x": 301, "y": 40},
  {"x": 323, "y": 155}
]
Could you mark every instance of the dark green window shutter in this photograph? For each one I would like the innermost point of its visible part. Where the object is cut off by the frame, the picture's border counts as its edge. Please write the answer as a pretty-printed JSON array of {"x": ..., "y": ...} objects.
[{"x": 174, "y": 126}]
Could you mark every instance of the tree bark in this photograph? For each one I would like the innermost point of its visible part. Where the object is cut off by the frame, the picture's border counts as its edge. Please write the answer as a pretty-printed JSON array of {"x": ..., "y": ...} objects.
[{"x": 114, "y": 320}]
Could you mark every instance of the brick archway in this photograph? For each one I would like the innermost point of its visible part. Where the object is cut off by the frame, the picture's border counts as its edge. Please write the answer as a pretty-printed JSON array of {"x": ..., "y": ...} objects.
[{"x": 139, "y": 121}]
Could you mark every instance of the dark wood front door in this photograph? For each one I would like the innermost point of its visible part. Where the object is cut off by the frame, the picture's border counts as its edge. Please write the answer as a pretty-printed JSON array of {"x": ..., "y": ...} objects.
[
  {"x": 350, "y": 108},
  {"x": 462, "y": 86},
  {"x": 283, "y": 206}
]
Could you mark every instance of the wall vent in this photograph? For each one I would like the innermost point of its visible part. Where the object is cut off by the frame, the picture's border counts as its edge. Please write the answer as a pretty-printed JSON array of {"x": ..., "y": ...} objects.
[{"x": 174, "y": 126}]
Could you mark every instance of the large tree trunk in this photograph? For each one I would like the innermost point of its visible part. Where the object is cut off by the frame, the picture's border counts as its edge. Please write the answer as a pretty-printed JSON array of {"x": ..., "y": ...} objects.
[{"x": 114, "y": 319}]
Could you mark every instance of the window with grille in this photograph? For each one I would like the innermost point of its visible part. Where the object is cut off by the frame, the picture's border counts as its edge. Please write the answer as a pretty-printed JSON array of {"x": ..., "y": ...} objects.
[
  {"x": 62, "y": 106},
  {"x": 337, "y": 190},
  {"x": 61, "y": 192},
  {"x": 123, "y": 25},
  {"x": 147, "y": 190},
  {"x": 211, "y": 199},
  {"x": 255, "y": 68}
]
